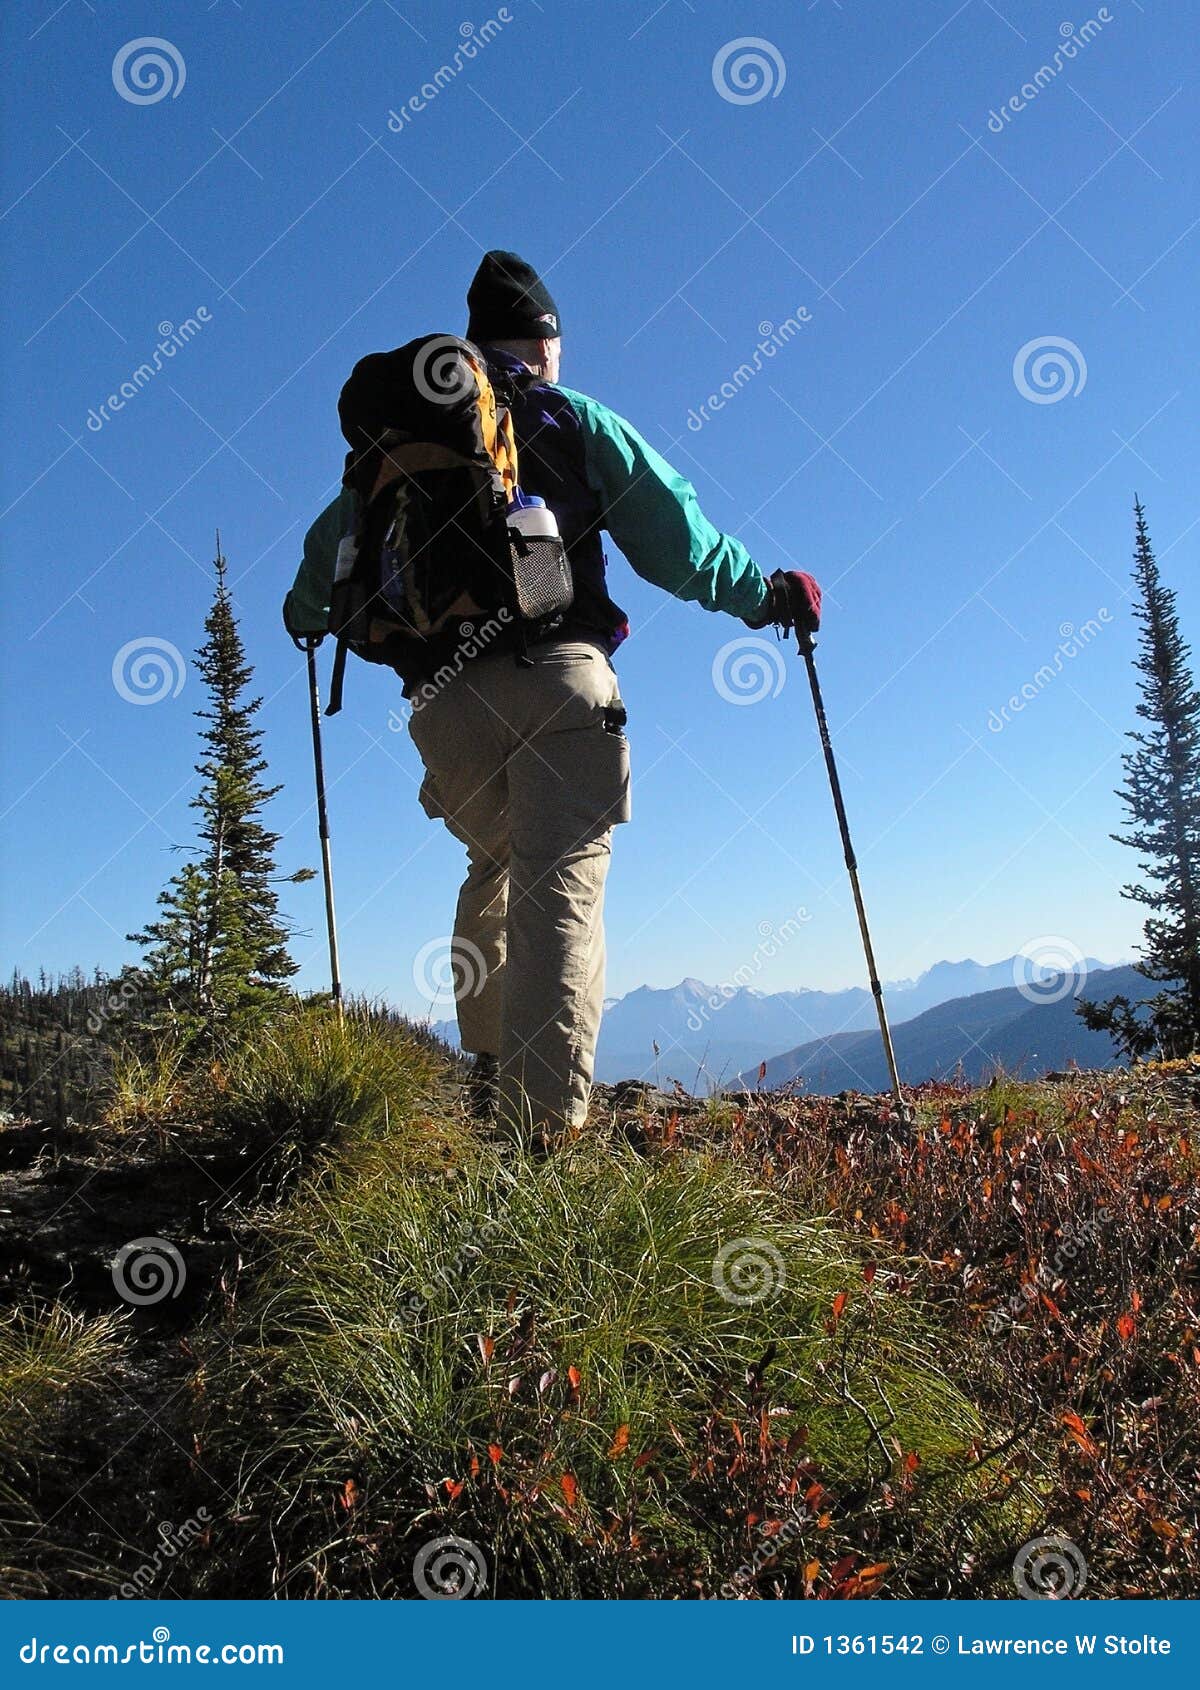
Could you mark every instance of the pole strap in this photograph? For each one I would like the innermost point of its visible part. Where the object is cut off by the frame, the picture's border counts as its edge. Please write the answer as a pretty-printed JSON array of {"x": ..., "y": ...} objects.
[{"x": 337, "y": 679}]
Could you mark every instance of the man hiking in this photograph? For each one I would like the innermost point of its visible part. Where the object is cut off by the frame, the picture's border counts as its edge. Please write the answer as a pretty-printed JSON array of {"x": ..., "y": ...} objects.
[{"x": 521, "y": 739}]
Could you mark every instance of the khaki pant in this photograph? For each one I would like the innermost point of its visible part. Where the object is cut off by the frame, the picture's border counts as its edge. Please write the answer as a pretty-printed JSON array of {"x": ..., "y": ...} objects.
[{"x": 527, "y": 767}]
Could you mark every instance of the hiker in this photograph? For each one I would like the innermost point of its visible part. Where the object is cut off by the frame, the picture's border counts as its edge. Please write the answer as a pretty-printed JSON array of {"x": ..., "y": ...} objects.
[{"x": 520, "y": 728}]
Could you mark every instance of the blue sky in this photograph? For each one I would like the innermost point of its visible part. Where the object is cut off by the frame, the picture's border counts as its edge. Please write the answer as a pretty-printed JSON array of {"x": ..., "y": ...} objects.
[{"x": 962, "y": 518}]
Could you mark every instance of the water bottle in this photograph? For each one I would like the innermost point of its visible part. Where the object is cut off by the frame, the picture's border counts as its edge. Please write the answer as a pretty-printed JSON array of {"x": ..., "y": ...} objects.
[
  {"x": 532, "y": 517},
  {"x": 541, "y": 573}
]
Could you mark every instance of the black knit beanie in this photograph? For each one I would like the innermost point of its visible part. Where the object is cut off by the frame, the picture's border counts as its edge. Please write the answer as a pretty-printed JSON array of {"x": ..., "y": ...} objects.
[{"x": 508, "y": 301}]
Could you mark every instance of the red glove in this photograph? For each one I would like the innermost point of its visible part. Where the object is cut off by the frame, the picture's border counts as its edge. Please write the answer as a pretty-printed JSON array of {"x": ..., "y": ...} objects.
[{"x": 793, "y": 601}]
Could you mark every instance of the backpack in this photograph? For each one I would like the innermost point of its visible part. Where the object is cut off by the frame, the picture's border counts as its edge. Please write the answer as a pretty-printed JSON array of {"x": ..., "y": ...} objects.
[{"x": 433, "y": 466}]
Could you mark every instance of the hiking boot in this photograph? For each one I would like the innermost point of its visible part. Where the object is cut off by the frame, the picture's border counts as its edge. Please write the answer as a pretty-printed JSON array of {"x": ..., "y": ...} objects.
[{"x": 482, "y": 1089}]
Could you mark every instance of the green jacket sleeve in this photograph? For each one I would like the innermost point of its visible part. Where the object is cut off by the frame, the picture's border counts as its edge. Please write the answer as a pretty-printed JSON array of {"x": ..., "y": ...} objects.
[
  {"x": 653, "y": 514},
  {"x": 306, "y": 608}
]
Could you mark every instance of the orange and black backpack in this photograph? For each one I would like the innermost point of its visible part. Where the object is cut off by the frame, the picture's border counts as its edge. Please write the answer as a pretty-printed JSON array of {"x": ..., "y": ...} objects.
[{"x": 433, "y": 466}]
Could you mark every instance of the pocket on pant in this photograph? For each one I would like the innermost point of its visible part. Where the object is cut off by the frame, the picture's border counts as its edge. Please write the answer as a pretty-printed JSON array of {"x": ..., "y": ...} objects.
[
  {"x": 622, "y": 782},
  {"x": 559, "y": 658},
  {"x": 569, "y": 783},
  {"x": 430, "y": 801},
  {"x": 597, "y": 772},
  {"x": 613, "y": 720},
  {"x": 564, "y": 695}
]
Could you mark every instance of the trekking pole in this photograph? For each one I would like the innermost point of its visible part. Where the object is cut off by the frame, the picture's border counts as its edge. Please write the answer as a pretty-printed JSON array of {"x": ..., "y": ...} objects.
[
  {"x": 807, "y": 645},
  {"x": 314, "y": 699}
]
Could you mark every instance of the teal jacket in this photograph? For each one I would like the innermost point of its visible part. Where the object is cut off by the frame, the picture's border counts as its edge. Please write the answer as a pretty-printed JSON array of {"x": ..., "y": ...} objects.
[{"x": 596, "y": 472}]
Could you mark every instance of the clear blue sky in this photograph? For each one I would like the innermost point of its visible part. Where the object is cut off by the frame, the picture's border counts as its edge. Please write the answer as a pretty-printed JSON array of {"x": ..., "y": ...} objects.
[{"x": 957, "y": 524}]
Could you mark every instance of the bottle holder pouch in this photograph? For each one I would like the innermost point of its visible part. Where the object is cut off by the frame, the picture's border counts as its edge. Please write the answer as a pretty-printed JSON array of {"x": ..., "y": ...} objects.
[{"x": 541, "y": 575}]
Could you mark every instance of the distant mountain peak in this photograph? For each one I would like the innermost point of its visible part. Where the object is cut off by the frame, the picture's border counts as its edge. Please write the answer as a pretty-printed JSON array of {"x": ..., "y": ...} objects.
[
  {"x": 717, "y": 1031},
  {"x": 1007, "y": 1029}
]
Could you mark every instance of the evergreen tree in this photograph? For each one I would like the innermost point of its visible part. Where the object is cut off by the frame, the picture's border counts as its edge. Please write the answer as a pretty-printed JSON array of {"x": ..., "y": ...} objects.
[
  {"x": 173, "y": 944},
  {"x": 1162, "y": 797},
  {"x": 218, "y": 951}
]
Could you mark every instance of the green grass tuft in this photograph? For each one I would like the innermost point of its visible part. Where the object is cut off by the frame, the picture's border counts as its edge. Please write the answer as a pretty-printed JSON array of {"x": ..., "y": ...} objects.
[
  {"x": 50, "y": 1359},
  {"x": 499, "y": 1321},
  {"x": 312, "y": 1079}
]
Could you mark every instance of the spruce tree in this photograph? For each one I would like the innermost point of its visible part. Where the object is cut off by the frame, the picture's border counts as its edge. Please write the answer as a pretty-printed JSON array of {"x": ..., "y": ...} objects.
[
  {"x": 172, "y": 948},
  {"x": 218, "y": 952},
  {"x": 1162, "y": 797}
]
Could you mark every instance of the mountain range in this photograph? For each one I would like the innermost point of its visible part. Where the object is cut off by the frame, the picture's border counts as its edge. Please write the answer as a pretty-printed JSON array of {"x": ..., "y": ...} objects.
[
  {"x": 707, "y": 1035},
  {"x": 973, "y": 1036}
]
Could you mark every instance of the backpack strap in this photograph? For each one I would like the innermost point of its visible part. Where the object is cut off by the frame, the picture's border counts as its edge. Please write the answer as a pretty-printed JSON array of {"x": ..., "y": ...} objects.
[
  {"x": 425, "y": 454},
  {"x": 495, "y": 423},
  {"x": 411, "y": 459}
]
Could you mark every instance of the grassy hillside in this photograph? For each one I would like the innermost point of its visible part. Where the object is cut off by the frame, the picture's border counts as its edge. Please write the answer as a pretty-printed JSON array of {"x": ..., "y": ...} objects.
[{"x": 781, "y": 1350}]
